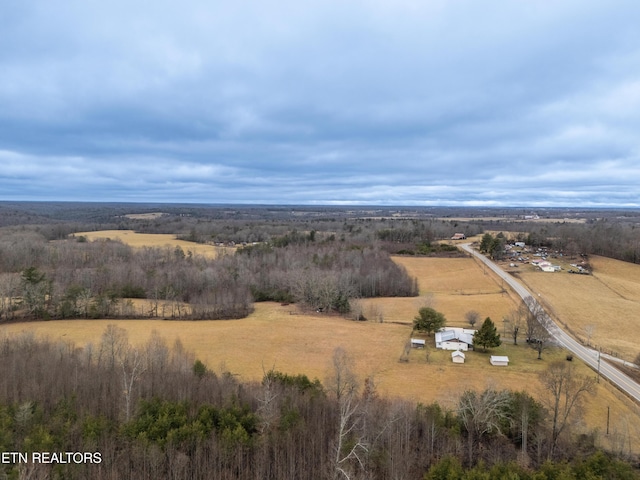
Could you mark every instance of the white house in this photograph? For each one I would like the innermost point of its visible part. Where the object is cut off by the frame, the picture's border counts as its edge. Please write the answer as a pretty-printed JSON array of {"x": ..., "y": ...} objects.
[
  {"x": 519, "y": 244},
  {"x": 455, "y": 338},
  {"x": 457, "y": 357},
  {"x": 499, "y": 361}
]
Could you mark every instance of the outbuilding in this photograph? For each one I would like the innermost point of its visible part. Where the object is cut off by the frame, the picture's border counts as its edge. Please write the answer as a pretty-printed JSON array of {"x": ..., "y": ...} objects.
[
  {"x": 417, "y": 343},
  {"x": 499, "y": 361},
  {"x": 457, "y": 357}
]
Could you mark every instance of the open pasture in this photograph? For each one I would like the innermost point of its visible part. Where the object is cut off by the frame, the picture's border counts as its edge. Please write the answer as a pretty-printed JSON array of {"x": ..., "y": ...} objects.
[
  {"x": 144, "y": 216},
  {"x": 456, "y": 285},
  {"x": 281, "y": 337},
  {"x": 160, "y": 240},
  {"x": 272, "y": 337},
  {"x": 607, "y": 303}
]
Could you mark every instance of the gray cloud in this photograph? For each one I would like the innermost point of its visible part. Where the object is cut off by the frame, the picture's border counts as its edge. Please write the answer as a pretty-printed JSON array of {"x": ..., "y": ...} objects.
[{"x": 494, "y": 103}]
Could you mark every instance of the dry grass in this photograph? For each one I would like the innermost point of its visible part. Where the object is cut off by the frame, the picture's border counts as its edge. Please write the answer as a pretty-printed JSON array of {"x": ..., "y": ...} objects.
[
  {"x": 609, "y": 300},
  {"x": 456, "y": 285},
  {"x": 139, "y": 240},
  {"x": 145, "y": 216},
  {"x": 272, "y": 337}
]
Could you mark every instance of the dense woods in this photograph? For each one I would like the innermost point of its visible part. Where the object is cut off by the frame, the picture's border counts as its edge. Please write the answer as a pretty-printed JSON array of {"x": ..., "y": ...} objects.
[
  {"x": 72, "y": 278},
  {"x": 156, "y": 412}
]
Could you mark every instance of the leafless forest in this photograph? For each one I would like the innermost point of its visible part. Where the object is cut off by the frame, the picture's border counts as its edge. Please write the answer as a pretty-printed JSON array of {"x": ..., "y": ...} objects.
[{"x": 158, "y": 412}]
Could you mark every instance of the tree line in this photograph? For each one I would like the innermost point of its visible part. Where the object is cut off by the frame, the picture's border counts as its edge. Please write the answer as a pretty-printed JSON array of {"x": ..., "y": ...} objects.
[
  {"x": 611, "y": 233},
  {"x": 155, "y": 411},
  {"x": 72, "y": 278}
]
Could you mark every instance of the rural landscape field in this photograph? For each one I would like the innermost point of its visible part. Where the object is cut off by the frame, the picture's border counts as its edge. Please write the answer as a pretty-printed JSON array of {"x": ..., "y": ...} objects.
[
  {"x": 233, "y": 304},
  {"x": 286, "y": 339}
]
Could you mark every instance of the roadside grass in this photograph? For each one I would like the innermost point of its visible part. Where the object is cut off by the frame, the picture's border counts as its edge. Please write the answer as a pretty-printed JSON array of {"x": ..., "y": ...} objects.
[{"x": 608, "y": 300}]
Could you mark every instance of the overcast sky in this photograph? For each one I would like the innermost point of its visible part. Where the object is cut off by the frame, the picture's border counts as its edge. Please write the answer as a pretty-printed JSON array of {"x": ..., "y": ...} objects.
[{"x": 393, "y": 102}]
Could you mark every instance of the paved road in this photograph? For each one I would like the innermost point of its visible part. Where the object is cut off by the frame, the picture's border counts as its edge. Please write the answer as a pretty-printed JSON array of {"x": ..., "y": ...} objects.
[{"x": 588, "y": 355}]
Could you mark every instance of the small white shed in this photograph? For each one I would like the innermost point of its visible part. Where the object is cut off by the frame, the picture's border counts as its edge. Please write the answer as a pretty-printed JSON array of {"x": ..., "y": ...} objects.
[
  {"x": 457, "y": 357},
  {"x": 417, "y": 343},
  {"x": 499, "y": 361}
]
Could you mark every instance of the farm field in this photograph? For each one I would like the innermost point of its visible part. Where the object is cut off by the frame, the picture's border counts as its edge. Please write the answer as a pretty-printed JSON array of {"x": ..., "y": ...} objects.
[
  {"x": 139, "y": 240},
  {"x": 282, "y": 338},
  {"x": 606, "y": 303}
]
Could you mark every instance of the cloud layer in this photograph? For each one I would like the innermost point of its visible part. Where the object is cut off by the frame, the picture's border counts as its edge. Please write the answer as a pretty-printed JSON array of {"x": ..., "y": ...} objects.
[{"x": 404, "y": 102}]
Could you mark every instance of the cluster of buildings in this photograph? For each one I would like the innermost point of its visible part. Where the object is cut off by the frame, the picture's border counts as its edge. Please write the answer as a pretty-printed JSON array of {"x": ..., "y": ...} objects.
[{"x": 458, "y": 340}]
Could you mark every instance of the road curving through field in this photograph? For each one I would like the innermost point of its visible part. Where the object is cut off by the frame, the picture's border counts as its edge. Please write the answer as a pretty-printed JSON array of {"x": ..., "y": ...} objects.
[{"x": 587, "y": 355}]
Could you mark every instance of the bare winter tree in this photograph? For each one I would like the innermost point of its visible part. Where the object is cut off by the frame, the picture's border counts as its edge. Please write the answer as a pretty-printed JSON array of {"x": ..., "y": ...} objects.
[
  {"x": 472, "y": 317},
  {"x": 9, "y": 283},
  {"x": 516, "y": 319},
  {"x": 481, "y": 414},
  {"x": 113, "y": 346},
  {"x": 376, "y": 313},
  {"x": 537, "y": 325},
  {"x": 156, "y": 355},
  {"x": 267, "y": 396},
  {"x": 133, "y": 365},
  {"x": 566, "y": 391},
  {"x": 349, "y": 446}
]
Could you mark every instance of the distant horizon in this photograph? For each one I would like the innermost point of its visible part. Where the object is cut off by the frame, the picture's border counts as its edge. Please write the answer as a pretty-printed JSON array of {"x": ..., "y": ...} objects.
[{"x": 314, "y": 205}]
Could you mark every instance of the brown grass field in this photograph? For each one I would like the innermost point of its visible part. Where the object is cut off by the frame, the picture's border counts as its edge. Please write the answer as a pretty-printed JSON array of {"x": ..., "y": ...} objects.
[
  {"x": 609, "y": 300},
  {"x": 280, "y": 337},
  {"x": 139, "y": 240}
]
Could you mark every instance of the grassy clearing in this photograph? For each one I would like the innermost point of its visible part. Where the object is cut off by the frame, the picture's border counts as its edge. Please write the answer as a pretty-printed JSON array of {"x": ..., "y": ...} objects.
[
  {"x": 456, "y": 285},
  {"x": 160, "y": 240},
  {"x": 145, "y": 216},
  {"x": 272, "y": 337}
]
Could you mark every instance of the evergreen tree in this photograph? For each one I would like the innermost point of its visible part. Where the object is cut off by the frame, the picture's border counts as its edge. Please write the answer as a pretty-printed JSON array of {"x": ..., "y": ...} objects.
[
  {"x": 487, "y": 336},
  {"x": 429, "y": 320},
  {"x": 485, "y": 244}
]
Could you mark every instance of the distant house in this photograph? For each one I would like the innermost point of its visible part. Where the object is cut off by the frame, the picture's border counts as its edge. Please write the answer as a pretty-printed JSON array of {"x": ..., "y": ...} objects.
[
  {"x": 459, "y": 236},
  {"x": 519, "y": 244},
  {"x": 547, "y": 267},
  {"x": 499, "y": 361},
  {"x": 457, "y": 357},
  {"x": 453, "y": 338},
  {"x": 417, "y": 343}
]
